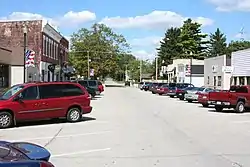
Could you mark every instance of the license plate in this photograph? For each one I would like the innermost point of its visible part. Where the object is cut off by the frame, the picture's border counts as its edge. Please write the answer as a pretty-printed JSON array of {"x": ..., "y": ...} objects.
[{"x": 218, "y": 102}]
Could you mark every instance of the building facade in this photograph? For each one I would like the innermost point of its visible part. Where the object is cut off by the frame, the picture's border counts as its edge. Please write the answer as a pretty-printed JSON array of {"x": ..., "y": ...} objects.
[
  {"x": 241, "y": 68},
  {"x": 186, "y": 71},
  {"x": 217, "y": 72},
  {"x": 42, "y": 38}
]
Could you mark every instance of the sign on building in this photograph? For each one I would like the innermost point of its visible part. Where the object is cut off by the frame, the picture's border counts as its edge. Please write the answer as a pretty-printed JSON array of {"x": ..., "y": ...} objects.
[{"x": 92, "y": 72}]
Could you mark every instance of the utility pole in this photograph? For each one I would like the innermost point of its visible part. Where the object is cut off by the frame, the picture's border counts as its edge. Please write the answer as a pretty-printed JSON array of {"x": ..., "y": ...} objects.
[
  {"x": 156, "y": 68},
  {"x": 140, "y": 70},
  {"x": 88, "y": 64},
  {"x": 126, "y": 73}
]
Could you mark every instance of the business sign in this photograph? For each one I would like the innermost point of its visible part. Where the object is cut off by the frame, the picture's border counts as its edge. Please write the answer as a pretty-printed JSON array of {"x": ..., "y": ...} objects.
[
  {"x": 227, "y": 69},
  {"x": 91, "y": 72}
]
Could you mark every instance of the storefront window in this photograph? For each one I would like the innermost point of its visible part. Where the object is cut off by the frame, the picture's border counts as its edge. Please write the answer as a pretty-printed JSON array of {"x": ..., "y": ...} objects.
[
  {"x": 219, "y": 80},
  {"x": 4, "y": 76},
  {"x": 241, "y": 80}
]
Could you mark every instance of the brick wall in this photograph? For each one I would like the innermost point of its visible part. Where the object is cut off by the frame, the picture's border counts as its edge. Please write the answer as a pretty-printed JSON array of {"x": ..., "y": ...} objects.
[{"x": 11, "y": 35}]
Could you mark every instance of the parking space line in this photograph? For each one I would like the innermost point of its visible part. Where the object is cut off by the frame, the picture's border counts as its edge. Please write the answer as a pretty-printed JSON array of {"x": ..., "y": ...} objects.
[
  {"x": 65, "y": 136},
  {"x": 240, "y": 122},
  {"x": 80, "y": 152}
]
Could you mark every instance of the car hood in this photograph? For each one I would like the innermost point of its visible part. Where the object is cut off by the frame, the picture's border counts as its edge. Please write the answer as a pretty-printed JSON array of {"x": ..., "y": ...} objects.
[
  {"x": 32, "y": 151},
  {"x": 191, "y": 91}
]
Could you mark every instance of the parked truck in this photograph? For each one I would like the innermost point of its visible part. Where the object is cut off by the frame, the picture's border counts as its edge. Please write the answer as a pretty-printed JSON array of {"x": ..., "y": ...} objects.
[{"x": 238, "y": 98}]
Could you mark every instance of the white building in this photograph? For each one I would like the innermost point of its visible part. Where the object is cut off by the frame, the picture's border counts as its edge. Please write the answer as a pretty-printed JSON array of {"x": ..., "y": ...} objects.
[
  {"x": 241, "y": 67},
  {"x": 186, "y": 71},
  {"x": 217, "y": 72}
]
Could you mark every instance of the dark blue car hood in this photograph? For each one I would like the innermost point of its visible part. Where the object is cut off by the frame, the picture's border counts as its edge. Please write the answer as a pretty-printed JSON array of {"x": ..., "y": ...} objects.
[{"x": 32, "y": 151}]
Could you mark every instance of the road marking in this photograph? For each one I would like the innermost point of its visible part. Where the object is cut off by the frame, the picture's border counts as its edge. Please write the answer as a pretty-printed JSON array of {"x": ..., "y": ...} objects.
[
  {"x": 54, "y": 125},
  {"x": 80, "y": 152},
  {"x": 240, "y": 122},
  {"x": 65, "y": 136}
]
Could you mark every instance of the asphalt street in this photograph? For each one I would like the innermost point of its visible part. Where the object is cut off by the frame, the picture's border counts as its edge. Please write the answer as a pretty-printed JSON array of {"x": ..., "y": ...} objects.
[{"x": 133, "y": 128}]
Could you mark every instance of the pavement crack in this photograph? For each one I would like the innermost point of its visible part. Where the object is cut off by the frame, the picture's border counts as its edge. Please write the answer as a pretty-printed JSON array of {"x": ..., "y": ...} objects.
[{"x": 54, "y": 137}]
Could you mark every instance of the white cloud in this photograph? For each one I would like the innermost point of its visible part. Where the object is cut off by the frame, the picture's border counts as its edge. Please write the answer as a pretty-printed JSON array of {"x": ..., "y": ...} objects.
[
  {"x": 146, "y": 41},
  {"x": 231, "y": 5},
  {"x": 142, "y": 54},
  {"x": 155, "y": 19},
  {"x": 68, "y": 19}
]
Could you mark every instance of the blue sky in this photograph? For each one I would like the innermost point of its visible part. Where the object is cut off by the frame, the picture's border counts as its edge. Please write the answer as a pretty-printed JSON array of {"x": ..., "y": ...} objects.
[{"x": 142, "y": 23}]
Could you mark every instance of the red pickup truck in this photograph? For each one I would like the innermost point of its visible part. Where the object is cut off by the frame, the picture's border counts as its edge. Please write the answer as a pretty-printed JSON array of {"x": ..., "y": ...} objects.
[{"x": 238, "y": 97}]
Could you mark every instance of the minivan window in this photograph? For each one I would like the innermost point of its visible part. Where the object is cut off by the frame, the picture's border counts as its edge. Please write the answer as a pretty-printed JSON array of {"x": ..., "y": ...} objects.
[
  {"x": 11, "y": 92},
  {"x": 30, "y": 93},
  {"x": 59, "y": 90},
  {"x": 92, "y": 83}
]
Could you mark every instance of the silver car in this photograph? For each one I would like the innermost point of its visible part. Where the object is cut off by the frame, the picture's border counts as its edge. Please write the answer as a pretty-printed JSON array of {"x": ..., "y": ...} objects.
[{"x": 193, "y": 94}]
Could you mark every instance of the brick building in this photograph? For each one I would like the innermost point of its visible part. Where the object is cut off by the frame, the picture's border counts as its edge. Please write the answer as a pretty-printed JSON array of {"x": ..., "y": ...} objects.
[{"x": 47, "y": 43}]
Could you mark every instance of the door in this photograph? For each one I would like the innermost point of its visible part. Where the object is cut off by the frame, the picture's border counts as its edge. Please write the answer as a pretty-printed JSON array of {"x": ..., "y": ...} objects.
[
  {"x": 52, "y": 103},
  {"x": 29, "y": 104}
]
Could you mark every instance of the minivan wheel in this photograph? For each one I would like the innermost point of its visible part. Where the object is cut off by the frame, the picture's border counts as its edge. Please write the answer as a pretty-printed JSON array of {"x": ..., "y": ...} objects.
[
  {"x": 6, "y": 120},
  {"x": 74, "y": 115}
]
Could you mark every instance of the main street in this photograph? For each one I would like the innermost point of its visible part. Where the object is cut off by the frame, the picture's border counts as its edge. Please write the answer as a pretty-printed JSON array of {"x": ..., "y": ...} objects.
[{"x": 133, "y": 128}]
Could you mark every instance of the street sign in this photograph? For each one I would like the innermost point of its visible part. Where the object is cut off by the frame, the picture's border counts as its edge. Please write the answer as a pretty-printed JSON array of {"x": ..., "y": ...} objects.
[{"x": 91, "y": 72}]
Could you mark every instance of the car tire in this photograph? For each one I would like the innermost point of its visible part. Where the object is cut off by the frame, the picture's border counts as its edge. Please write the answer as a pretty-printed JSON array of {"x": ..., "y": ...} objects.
[
  {"x": 74, "y": 115},
  {"x": 171, "y": 96},
  {"x": 218, "y": 108},
  {"x": 7, "y": 120},
  {"x": 160, "y": 94},
  {"x": 240, "y": 107},
  {"x": 189, "y": 101},
  {"x": 181, "y": 98},
  {"x": 205, "y": 105}
]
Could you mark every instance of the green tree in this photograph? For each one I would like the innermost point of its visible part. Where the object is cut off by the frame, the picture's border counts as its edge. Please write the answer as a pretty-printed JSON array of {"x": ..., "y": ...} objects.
[
  {"x": 192, "y": 40},
  {"x": 217, "y": 42},
  {"x": 102, "y": 45},
  {"x": 169, "y": 46},
  {"x": 236, "y": 46}
]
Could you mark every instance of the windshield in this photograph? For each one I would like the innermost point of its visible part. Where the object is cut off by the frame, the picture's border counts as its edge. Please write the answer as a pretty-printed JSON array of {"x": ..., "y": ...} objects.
[
  {"x": 92, "y": 83},
  {"x": 12, "y": 91}
]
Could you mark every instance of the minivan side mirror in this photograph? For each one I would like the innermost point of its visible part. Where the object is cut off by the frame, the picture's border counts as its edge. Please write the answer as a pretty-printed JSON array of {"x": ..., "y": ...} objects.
[{"x": 17, "y": 98}]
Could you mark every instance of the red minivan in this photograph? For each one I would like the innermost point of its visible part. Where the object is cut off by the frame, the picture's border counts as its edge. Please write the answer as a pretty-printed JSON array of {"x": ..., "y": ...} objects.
[{"x": 43, "y": 100}]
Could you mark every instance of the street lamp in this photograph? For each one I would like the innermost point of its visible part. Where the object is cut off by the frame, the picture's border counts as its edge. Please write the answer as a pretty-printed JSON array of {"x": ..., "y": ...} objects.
[{"x": 24, "y": 51}]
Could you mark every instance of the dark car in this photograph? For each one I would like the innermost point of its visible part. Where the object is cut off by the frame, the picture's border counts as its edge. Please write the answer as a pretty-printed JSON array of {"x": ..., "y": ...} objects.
[
  {"x": 22, "y": 154},
  {"x": 146, "y": 86},
  {"x": 175, "y": 88},
  {"x": 162, "y": 90},
  {"x": 91, "y": 84},
  {"x": 152, "y": 86},
  {"x": 183, "y": 91},
  {"x": 90, "y": 90}
]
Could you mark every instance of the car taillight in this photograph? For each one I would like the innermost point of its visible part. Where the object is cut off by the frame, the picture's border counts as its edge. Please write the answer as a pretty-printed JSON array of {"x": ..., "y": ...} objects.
[{"x": 46, "y": 164}]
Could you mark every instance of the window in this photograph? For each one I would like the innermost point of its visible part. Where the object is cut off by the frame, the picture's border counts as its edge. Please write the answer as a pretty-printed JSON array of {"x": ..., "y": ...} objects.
[
  {"x": 83, "y": 83},
  {"x": 56, "y": 51},
  {"x": 11, "y": 92},
  {"x": 44, "y": 45},
  {"x": 47, "y": 46},
  {"x": 208, "y": 90},
  {"x": 242, "y": 81},
  {"x": 208, "y": 80},
  {"x": 214, "y": 80},
  {"x": 92, "y": 83},
  {"x": 59, "y": 90},
  {"x": 30, "y": 93},
  {"x": 219, "y": 80}
]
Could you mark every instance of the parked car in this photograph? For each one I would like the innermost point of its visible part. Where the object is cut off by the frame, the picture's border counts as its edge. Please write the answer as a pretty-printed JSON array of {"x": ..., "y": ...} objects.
[
  {"x": 146, "y": 86},
  {"x": 91, "y": 84},
  {"x": 238, "y": 97},
  {"x": 203, "y": 97},
  {"x": 176, "y": 88},
  {"x": 21, "y": 154},
  {"x": 143, "y": 84},
  {"x": 182, "y": 92},
  {"x": 152, "y": 86},
  {"x": 91, "y": 91},
  {"x": 162, "y": 90},
  {"x": 43, "y": 100},
  {"x": 157, "y": 86},
  {"x": 193, "y": 94},
  {"x": 100, "y": 87}
]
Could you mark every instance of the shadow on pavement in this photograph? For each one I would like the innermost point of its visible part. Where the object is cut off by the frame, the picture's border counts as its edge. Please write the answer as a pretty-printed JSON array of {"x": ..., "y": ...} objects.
[
  {"x": 227, "y": 111},
  {"x": 49, "y": 122}
]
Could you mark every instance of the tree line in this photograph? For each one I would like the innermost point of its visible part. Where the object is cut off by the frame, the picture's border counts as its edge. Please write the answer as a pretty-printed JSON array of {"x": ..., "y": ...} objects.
[
  {"x": 109, "y": 54},
  {"x": 188, "y": 41}
]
